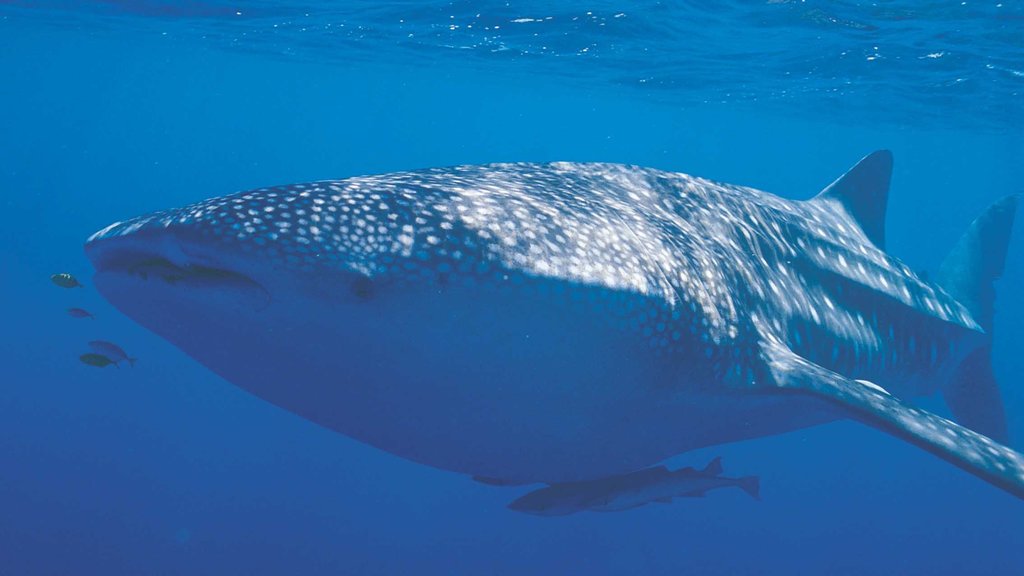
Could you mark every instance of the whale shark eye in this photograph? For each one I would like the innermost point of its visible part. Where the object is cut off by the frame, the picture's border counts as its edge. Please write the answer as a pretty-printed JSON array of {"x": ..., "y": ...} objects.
[{"x": 362, "y": 287}]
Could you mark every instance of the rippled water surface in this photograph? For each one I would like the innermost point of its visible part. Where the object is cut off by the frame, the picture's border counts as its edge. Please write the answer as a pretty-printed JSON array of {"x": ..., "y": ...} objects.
[{"x": 903, "y": 61}]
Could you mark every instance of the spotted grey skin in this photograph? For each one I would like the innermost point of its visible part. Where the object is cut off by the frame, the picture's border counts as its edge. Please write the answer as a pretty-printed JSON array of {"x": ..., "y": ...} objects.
[{"x": 533, "y": 322}]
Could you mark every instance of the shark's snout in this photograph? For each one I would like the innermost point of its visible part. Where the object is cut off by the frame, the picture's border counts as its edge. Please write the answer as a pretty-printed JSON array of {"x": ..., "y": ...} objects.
[{"x": 325, "y": 240}]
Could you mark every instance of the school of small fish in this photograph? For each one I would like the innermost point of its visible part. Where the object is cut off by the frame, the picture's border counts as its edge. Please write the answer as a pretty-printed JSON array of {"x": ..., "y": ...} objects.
[{"x": 102, "y": 353}]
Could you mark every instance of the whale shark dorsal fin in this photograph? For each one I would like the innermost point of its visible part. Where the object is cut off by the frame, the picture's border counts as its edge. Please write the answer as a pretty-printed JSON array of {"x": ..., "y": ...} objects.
[
  {"x": 969, "y": 450},
  {"x": 864, "y": 192}
]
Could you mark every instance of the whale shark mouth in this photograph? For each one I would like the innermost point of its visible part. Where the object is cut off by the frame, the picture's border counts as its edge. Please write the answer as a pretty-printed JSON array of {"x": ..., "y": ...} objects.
[
  {"x": 150, "y": 262},
  {"x": 154, "y": 267}
]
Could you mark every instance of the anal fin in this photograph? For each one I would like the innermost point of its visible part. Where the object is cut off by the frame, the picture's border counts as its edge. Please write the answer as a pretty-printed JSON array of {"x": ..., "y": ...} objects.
[{"x": 969, "y": 450}]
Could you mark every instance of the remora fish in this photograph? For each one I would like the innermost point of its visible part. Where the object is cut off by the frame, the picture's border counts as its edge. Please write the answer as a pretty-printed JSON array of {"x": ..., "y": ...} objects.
[
  {"x": 571, "y": 321},
  {"x": 630, "y": 490}
]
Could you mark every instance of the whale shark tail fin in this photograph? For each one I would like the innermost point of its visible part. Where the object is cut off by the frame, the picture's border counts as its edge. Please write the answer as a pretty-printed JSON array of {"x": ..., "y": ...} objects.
[
  {"x": 863, "y": 192},
  {"x": 968, "y": 274},
  {"x": 978, "y": 258}
]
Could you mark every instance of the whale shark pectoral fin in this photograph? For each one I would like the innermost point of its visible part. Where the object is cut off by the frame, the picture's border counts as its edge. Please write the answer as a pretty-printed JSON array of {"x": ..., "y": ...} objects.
[{"x": 971, "y": 451}]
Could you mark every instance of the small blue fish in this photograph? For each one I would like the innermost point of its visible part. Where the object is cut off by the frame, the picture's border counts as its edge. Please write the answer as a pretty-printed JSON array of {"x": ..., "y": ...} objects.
[
  {"x": 112, "y": 351},
  {"x": 80, "y": 313}
]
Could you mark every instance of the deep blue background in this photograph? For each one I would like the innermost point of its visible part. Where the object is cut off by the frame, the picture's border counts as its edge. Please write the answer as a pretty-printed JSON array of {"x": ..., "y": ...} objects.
[{"x": 166, "y": 469}]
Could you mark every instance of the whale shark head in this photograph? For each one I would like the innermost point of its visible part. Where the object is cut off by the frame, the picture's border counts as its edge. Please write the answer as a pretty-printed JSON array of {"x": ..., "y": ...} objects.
[{"x": 425, "y": 313}]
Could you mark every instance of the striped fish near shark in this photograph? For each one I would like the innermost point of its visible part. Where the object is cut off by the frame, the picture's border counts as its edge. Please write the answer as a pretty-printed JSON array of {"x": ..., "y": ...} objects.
[{"x": 572, "y": 322}]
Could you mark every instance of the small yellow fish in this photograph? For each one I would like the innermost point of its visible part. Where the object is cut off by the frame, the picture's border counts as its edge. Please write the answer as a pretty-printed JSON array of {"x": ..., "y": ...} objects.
[
  {"x": 97, "y": 360},
  {"x": 65, "y": 280}
]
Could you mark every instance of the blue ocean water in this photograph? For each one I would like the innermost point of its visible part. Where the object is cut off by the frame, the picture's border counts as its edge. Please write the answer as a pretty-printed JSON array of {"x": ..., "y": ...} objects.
[{"x": 116, "y": 108}]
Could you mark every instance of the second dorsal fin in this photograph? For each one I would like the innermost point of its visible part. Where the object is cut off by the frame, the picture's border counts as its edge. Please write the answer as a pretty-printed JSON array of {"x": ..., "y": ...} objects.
[{"x": 863, "y": 192}]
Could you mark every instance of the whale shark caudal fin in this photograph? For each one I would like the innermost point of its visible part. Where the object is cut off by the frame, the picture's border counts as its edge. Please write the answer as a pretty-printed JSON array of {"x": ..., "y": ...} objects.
[
  {"x": 864, "y": 193},
  {"x": 978, "y": 258},
  {"x": 967, "y": 274},
  {"x": 971, "y": 451},
  {"x": 714, "y": 468}
]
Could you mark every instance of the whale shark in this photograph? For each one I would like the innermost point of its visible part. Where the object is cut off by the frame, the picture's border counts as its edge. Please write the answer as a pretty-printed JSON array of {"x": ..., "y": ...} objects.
[{"x": 566, "y": 322}]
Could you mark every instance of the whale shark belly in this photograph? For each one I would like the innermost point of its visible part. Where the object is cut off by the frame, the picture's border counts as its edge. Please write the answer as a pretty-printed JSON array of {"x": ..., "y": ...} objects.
[{"x": 520, "y": 381}]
